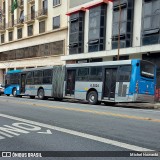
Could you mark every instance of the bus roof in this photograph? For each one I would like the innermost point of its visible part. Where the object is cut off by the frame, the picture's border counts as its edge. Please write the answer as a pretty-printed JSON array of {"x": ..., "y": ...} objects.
[
  {"x": 14, "y": 71},
  {"x": 38, "y": 68},
  {"x": 108, "y": 63}
]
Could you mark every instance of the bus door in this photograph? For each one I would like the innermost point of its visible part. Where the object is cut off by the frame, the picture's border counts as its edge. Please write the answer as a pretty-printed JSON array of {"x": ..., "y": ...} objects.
[
  {"x": 70, "y": 83},
  {"x": 109, "y": 83},
  {"x": 23, "y": 83}
]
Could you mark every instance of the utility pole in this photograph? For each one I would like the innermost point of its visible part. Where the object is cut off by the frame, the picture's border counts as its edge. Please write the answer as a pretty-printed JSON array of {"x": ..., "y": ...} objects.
[{"x": 119, "y": 29}]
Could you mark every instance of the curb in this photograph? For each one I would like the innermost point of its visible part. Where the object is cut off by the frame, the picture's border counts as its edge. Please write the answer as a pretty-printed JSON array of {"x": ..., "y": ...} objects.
[{"x": 140, "y": 105}]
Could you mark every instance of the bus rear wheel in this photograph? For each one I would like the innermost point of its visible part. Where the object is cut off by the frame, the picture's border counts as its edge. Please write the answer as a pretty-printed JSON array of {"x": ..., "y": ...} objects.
[
  {"x": 32, "y": 97},
  {"x": 93, "y": 98},
  {"x": 58, "y": 99},
  {"x": 14, "y": 92},
  {"x": 109, "y": 103},
  {"x": 41, "y": 94}
]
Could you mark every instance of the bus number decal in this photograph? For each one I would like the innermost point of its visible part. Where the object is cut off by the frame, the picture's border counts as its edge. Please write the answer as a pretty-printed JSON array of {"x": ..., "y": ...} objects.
[{"x": 94, "y": 85}]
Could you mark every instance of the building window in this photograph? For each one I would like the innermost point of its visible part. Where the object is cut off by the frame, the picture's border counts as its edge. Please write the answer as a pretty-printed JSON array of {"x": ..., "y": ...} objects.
[
  {"x": 30, "y": 30},
  {"x": 21, "y": 18},
  {"x": 121, "y": 58},
  {"x": 76, "y": 33},
  {"x": 33, "y": 12},
  {"x": 97, "y": 28},
  {"x": 45, "y": 4},
  {"x": 2, "y": 38},
  {"x": 151, "y": 22},
  {"x": 10, "y": 36},
  {"x": 41, "y": 26},
  {"x": 56, "y": 2},
  {"x": 48, "y": 49},
  {"x": 19, "y": 33},
  {"x": 56, "y": 22},
  {"x": 126, "y": 23},
  {"x": 12, "y": 20}
]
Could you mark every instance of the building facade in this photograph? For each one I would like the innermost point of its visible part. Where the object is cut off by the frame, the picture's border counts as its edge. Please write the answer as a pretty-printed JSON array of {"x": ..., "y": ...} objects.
[
  {"x": 94, "y": 31},
  {"x": 33, "y": 33}
]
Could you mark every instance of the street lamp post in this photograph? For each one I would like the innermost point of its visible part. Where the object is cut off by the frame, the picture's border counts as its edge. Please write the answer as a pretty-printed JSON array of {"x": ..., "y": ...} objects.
[{"x": 119, "y": 29}]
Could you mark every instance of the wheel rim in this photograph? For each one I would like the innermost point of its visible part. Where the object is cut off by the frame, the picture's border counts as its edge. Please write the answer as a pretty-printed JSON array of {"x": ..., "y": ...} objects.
[
  {"x": 92, "y": 98},
  {"x": 40, "y": 94},
  {"x": 14, "y": 92}
]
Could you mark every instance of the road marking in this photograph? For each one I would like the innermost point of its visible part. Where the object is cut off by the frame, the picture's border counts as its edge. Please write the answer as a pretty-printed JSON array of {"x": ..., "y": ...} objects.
[
  {"x": 47, "y": 132},
  {"x": 89, "y": 111},
  {"x": 26, "y": 126},
  {"x": 79, "y": 134},
  {"x": 5, "y": 134},
  {"x": 13, "y": 130},
  {"x": 20, "y": 128}
]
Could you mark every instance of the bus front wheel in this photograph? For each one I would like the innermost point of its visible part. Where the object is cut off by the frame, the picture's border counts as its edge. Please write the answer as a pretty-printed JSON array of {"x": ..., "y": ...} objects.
[
  {"x": 58, "y": 99},
  {"x": 14, "y": 92},
  {"x": 41, "y": 94},
  {"x": 93, "y": 97},
  {"x": 32, "y": 97}
]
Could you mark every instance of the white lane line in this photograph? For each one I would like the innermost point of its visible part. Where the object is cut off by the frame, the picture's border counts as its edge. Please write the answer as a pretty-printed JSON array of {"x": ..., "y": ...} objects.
[{"x": 80, "y": 134}]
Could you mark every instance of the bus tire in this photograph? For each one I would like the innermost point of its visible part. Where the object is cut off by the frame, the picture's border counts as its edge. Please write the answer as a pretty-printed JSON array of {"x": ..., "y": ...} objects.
[
  {"x": 58, "y": 99},
  {"x": 41, "y": 94},
  {"x": 8, "y": 95},
  {"x": 92, "y": 97},
  {"x": 109, "y": 103},
  {"x": 14, "y": 92},
  {"x": 32, "y": 97}
]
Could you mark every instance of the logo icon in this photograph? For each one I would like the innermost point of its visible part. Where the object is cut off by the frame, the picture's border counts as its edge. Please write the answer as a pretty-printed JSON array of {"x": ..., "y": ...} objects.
[{"x": 6, "y": 154}]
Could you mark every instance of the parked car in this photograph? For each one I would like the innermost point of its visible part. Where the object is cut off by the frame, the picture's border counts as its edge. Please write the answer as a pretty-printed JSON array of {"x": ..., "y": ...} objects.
[{"x": 1, "y": 89}]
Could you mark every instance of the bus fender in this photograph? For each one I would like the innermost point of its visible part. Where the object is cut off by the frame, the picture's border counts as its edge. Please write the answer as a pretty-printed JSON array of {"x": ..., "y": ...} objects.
[{"x": 91, "y": 89}]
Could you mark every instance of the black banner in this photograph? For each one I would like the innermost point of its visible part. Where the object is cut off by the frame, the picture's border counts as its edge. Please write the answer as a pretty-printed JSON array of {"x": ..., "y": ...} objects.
[{"x": 22, "y": 154}]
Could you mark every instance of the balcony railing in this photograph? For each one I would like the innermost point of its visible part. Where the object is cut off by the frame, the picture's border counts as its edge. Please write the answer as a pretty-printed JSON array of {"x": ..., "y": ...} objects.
[
  {"x": 29, "y": 18},
  {"x": 31, "y": 1},
  {"x": 3, "y": 12},
  {"x": 19, "y": 22},
  {"x": 21, "y": 3},
  {"x": 10, "y": 25},
  {"x": 2, "y": 27},
  {"x": 10, "y": 8},
  {"x": 42, "y": 13}
]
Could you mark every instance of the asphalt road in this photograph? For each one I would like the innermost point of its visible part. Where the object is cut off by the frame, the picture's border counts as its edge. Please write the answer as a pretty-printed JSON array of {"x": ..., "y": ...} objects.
[{"x": 34, "y": 125}]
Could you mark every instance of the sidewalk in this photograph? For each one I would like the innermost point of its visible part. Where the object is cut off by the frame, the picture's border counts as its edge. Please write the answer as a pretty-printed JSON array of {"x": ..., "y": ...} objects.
[{"x": 141, "y": 105}]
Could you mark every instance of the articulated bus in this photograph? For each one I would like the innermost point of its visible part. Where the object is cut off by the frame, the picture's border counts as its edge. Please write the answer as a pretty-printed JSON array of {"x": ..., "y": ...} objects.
[{"x": 109, "y": 82}]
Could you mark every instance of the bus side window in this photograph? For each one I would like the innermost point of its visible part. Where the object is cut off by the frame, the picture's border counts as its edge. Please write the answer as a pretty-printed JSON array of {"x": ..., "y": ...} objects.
[
  {"x": 14, "y": 78},
  {"x": 124, "y": 74},
  {"x": 95, "y": 74},
  {"x": 47, "y": 76},
  {"x": 38, "y": 75},
  {"x": 82, "y": 74},
  {"x": 29, "y": 78}
]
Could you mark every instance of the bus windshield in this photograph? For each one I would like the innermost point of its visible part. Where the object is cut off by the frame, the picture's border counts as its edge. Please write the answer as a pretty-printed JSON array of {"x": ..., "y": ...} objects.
[{"x": 147, "y": 69}]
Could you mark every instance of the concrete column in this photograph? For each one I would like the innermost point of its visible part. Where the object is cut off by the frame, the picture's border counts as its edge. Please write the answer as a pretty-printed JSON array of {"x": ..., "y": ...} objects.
[
  {"x": 1, "y": 76},
  {"x": 86, "y": 27},
  {"x": 25, "y": 32},
  {"x": 7, "y": 4},
  {"x": 137, "y": 23},
  {"x": 36, "y": 24},
  {"x": 109, "y": 26}
]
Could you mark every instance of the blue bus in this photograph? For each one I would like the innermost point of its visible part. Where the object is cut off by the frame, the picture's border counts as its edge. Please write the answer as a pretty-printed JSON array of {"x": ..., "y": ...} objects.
[
  {"x": 108, "y": 82},
  {"x": 12, "y": 83}
]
